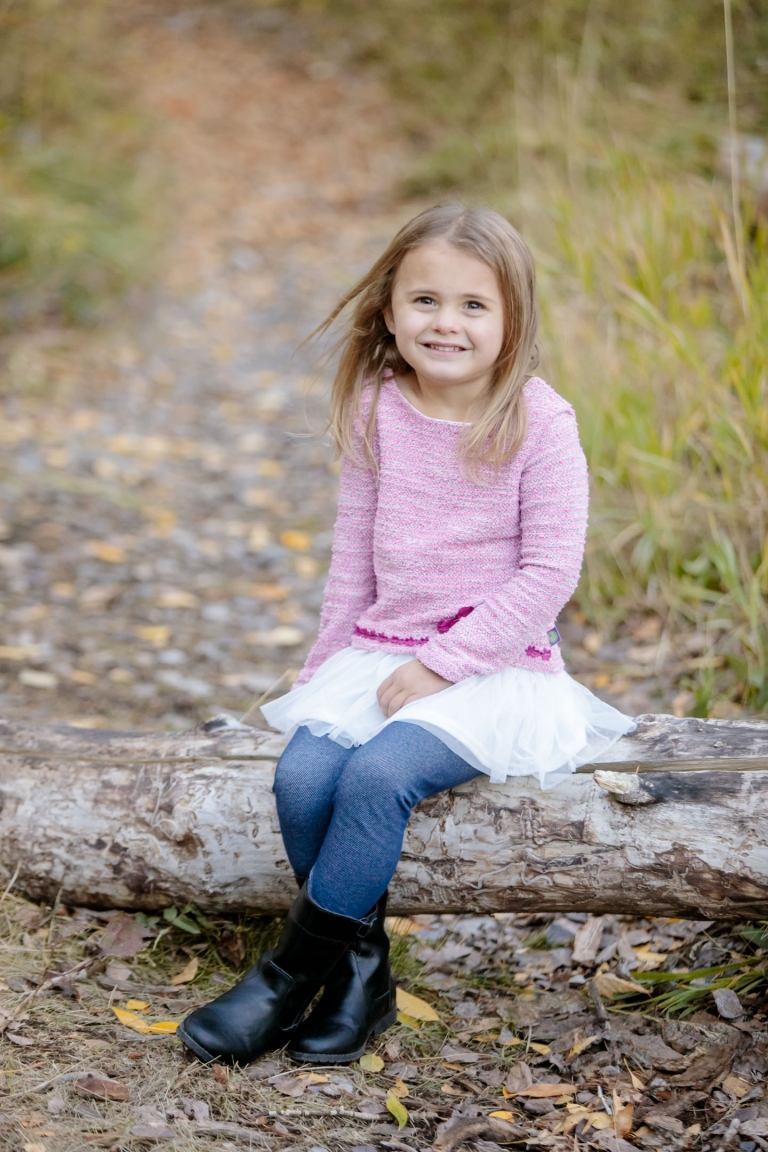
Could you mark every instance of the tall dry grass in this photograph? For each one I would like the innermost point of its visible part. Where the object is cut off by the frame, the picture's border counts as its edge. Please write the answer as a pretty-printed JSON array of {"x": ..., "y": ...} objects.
[{"x": 595, "y": 125}]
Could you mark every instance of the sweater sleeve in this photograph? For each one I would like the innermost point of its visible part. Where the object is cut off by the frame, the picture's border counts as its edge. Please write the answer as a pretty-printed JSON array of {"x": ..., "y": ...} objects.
[
  {"x": 351, "y": 585},
  {"x": 553, "y": 522}
]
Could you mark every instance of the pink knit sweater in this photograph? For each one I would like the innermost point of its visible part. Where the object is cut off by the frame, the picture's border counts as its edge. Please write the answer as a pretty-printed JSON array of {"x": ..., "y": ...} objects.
[{"x": 467, "y": 578}]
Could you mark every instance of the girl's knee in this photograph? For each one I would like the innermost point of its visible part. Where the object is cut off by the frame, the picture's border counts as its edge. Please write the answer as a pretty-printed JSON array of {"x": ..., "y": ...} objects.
[{"x": 376, "y": 780}]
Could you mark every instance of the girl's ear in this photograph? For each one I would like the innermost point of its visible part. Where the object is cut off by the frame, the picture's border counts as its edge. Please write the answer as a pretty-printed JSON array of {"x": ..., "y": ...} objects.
[{"x": 389, "y": 318}]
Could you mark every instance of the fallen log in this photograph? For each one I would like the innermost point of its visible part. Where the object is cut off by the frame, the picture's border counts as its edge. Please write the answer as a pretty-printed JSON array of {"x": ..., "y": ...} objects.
[{"x": 673, "y": 823}]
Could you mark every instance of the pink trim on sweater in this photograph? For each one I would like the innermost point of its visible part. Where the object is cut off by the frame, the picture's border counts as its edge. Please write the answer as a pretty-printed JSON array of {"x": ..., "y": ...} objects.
[
  {"x": 420, "y": 534},
  {"x": 407, "y": 642},
  {"x": 538, "y": 653},
  {"x": 444, "y": 626}
]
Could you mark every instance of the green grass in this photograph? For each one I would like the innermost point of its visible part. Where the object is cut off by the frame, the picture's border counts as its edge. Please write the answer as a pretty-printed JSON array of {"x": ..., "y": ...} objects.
[
  {"x": 75, "y": 188},
  {"x": 596, "y": 128}
]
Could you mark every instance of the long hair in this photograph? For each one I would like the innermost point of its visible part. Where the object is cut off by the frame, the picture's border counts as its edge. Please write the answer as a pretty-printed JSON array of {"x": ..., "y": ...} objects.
[{"x": 368, "y": 348}]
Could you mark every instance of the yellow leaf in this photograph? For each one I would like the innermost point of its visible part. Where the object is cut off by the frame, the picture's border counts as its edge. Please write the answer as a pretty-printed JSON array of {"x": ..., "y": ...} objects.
[
  {"x": 188, "y": 972},
  {"x": 735, "y": 1086},
  {"x": 130, "y": 1020},
  {"x": 400, "y": 1089},
  {"x": 404, "y": 1018},
  {"x": 312, "y": 1077},
  {"x": 397, "y": 1110},
  {"x": 296, "y": 541},
  {"x": 450, "y": 1090},
  {"x": 414, "y": 1007},
  {"x": 371, "y": 1063},
  {"x": 156, "y": 634},
  {"x": 401, "y": 925},
  {"x": 486, "y": 1038},
  {"x": 270, "y": 468},
  {"x": 137, "y": 1005},
  {"x": 636, "y": 1081},
  {"x": 600, "y": 1120},
  {"x": 177, "y": 598},
  {"x": 109, "y": 553},
  {"x": 609, "y": 985},
  {"x": 516, "y": 1042},
  {"x": 503, "y": 1115},
  {"x": 650, "y": 959}
]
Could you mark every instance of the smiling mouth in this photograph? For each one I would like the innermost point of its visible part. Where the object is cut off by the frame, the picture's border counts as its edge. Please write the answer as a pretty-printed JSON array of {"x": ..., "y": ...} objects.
[{"x": 444, "y": 347}]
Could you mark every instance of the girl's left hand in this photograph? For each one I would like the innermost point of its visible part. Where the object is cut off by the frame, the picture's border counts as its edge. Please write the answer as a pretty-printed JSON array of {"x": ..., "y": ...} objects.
[{"x": 407, "y": 683}]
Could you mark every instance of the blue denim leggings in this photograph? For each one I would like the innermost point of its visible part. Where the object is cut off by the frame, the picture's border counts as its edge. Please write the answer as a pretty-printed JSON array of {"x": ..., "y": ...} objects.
[{"x": 343, "y": 811}]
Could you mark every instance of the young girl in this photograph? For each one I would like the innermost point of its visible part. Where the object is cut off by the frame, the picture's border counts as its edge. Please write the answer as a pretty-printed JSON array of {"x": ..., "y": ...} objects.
[{"x": 459, "y": 538}]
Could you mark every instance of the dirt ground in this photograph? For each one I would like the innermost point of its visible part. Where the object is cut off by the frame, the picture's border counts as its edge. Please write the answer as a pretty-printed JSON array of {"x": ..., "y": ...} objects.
[{"x": 166, "y": 525}]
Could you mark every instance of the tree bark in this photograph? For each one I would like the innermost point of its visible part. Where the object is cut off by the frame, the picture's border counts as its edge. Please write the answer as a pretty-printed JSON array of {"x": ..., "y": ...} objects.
[{"x": 673, "y": 823}]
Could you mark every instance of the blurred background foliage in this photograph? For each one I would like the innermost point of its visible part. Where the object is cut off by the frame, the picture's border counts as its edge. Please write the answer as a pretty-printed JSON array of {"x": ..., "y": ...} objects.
[
  {"x": 600, "y": 127},
  {"x": 75, "y": 204}
]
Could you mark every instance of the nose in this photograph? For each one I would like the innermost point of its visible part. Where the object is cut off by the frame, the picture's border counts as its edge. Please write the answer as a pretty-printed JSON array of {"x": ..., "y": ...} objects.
[{"x": 446, "y": 320}]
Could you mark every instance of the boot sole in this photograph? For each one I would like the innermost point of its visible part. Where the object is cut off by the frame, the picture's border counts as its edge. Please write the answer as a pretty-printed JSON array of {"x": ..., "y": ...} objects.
[
  {"x": 347, "y": 1057},
  {"x": 198, "y": 1049}
]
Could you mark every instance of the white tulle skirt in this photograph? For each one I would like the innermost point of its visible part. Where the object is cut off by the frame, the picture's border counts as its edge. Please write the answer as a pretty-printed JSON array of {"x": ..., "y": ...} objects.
[{"x": 510, "y": 723}]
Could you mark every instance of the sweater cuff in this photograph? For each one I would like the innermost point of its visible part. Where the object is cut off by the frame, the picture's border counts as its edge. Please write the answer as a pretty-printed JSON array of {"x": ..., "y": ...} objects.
[{"x": 440, "y": 662}]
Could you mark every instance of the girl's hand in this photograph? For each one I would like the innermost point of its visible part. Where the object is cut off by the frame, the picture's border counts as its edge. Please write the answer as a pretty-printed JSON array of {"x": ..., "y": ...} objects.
[{"x": 407, "y": 683}]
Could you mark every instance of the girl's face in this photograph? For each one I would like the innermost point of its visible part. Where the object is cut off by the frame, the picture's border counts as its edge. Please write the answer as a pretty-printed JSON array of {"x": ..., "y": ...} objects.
[{"x": 447, "y": 315}]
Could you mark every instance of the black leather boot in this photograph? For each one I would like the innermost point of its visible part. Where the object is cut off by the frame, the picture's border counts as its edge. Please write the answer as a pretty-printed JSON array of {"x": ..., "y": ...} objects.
[
  {"x": 358, "y": 1000},
  {"x": 260, "y": 1013}
]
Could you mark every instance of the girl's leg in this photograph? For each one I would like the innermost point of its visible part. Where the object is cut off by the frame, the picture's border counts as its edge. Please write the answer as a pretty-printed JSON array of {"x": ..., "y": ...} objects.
[
  {"x": 305, "y": 783},
  {"x": 377, "y": 787}
]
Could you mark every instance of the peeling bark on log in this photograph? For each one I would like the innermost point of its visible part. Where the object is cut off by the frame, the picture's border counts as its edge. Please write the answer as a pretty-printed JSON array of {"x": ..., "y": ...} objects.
[{"x": 143, "y": 820}]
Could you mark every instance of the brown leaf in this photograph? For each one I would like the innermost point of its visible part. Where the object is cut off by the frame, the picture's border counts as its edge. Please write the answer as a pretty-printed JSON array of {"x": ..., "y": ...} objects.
[
  {"x": 544, "y": 1091},
  {"x": 519, "y": 1079},
  {"x": 453, "y": 1133},
  {"x": 728, "y": 1003},
  {"x": 650, "y": 1051},
  {"x": 188, "y": 972},
  {"x": 123, "y": 936},
  {"x": 586, "y": 942},
  {"x": 22, "y": 1041},
  {"x": 290, "y": 1085},
  {"x": 102, "y": 1089},
  {"x": 232, "y": 948},
  {"x": 459, "y": 1055},
  {"x": 29, "y": 916},
  {"x": 709, "y": 1067},
  {"x": 152, "y": 1132}
]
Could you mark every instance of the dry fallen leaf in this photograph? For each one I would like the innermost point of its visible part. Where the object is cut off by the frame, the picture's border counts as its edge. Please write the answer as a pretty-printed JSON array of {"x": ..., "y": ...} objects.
[
  {"x": 102, "y": 1088},
  {"x": 545, "y": 1091},
  {"x": 401, "y": 925},
  {"x": 137, "y": 1005},
  {"x": 400, "y": 1089},
  {"x": 397, "y": 1110},
  {"x": 296, "y": 541},
  {"x": 106, "y": 552},
  {"x": 610, "y": 985},
  {"x": 414, "y": 1007},
  {"x": 124, "y": 936},
  {"x": 188, "y": 972},
  {"x": 371, "y": 1063},
  {"x": 735, "y": 1086},
  {"x": 130, "y": 1020}
]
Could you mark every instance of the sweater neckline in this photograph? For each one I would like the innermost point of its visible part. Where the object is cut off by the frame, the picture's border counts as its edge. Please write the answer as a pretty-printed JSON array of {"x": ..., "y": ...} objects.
[{"x": 389, "y": 378}]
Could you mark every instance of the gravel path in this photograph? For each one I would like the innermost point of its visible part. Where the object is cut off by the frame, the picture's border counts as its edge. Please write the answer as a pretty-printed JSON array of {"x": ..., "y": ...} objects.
[{"x": 167, "y": 513}]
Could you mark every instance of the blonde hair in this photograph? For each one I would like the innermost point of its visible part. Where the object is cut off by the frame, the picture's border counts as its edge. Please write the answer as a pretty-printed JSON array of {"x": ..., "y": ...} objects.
[{"x": 368, "y": 348}]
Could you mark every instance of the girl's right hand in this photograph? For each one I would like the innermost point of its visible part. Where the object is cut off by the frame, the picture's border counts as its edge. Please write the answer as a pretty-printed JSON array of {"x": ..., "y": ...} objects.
[{"x": 409, "y": 682}]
